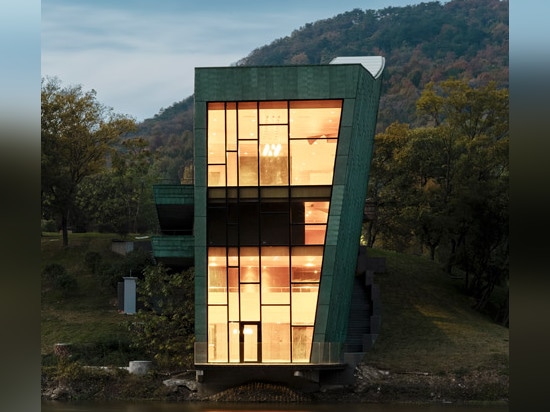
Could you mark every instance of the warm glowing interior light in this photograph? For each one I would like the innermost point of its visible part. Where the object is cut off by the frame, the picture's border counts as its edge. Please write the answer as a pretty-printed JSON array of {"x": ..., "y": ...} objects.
[{"x": 271, "y": 149}]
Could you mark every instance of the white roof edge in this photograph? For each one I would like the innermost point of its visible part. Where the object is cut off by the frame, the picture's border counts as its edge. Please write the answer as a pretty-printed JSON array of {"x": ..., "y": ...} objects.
[{"x": 374, "y": 64}]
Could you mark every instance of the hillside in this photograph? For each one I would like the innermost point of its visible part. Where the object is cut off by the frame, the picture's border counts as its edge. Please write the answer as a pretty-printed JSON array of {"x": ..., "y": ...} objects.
[
  {"x": 429, "y": 330},
  {"x": 464, "y": 39}
]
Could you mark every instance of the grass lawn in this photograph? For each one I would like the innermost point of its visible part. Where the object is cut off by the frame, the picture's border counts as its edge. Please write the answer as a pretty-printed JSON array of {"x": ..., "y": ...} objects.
[
  {"x": 88, "y": 317},
  {"x": 428, "y": 325}
]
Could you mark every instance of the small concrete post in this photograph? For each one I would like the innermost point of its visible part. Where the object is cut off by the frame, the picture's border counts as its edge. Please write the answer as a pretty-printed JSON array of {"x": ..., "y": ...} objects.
[
  {"x": 130, "y": 295},
  {"x": 139, "y": 367}
]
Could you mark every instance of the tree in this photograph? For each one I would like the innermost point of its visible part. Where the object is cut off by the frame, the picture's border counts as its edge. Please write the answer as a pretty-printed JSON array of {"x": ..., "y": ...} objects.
[
  {"x": 120, "y": 199},
  {"x": 445, "y": 184},
  {"x": 387, "y": 186},
  {"x": 77, "y": 134},
  {"x": 473, "y": 180},
  {"x": 165, "y": 327}
]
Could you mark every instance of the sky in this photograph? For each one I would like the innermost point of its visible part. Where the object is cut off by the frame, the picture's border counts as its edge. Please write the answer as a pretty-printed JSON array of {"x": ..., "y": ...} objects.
[{"x": 139, "y": 55}]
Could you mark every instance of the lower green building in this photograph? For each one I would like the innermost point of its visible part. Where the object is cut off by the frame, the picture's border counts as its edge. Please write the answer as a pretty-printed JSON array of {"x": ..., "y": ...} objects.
[{"x": 273, "y": 221}]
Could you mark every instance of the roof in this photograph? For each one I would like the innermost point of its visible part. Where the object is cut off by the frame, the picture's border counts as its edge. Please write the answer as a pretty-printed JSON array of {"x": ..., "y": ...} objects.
[{"x": 374, "y": 64}]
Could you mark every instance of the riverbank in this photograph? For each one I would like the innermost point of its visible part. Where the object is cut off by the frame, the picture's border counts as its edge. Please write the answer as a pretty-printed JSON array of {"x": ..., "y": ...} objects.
[
  {"x": 432, "y": 347},
  {"x": 72, "y": 382}
]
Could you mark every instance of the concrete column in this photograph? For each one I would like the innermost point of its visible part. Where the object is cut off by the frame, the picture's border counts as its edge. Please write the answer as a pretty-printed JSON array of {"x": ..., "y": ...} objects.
[{"x": 130, "y": 295}]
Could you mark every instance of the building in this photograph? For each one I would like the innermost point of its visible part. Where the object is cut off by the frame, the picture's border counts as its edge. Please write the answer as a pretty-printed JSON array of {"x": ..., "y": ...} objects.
[{"x": 273, "y": 221}]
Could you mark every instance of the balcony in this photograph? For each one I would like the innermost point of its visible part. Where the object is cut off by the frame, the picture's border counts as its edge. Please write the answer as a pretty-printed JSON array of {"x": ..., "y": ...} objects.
[
  {"x": 175, "y": 208},
  {"x": 175, "y": 250}
]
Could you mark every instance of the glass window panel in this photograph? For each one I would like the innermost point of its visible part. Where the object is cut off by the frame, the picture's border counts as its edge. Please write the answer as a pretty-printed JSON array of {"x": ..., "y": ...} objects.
[
  {"x": 216, "y": 133},
  {"x": 315, "y": 234},
  {"x": 274, "y": 228},
  {"x": 277, "y": 193},
  {"x": 217, "y": 334},
  {"x": 234, "y": 342},
  {"x": 273, "y": 155},
  {"x": 273, "y": 112},
  {"x": 250, "y": 342},
  {"x": 217, "y": 276},
  {"x": 233, "y": 294},
  {"x": 250, "y": 264},
  {"x": 311, "y": 192},
  {"x": 250, "y": 301},
  {"x": 302, "y": 337},
  {"x": 304, "y": 303},
  {"x": 275, "y": 275},
  {"x": 217, "y": 193},
  {"x": 233, "y": 257},
  {"x": 298, "y": 235},
  {"x": 217, "y": 285},
  {"x": 312, "y": 161},
  {"x": 275, "y": 334},
  {"x": 248, "y": 163},
  {"x": 216, "y": 224},
  {"x": 306, "y": 263},
  {"x": 249, "y": 227},
  {"x": 233, "y": 212},
  {"x": 231, "y": 125},
  {"x": 232, "y": 169},
  {"x": 275, "y": 285},
  {"x": 216, "y": 175},
  {"x": 316, "y": 212},
  {"x": 232, "y": 235},
  {"x": 315, "y": 118},
  {"x": 247, "y": 120},
  {"x": 217, "y": 256}
]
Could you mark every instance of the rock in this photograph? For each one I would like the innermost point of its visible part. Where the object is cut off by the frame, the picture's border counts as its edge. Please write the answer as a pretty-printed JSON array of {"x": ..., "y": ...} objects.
[{"x": 185, "y": 383}]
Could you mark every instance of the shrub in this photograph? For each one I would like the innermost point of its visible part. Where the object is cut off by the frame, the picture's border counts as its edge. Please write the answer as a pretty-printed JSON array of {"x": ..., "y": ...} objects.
[
  {"x": 93, "y": 261},
  {"x": 52, "y": 272},
  {"x": 134, "y": 263},
  {"x": 66, "y": 283},
  {"x": 164, "y": 329},
  {"x": 48, "y": 225}
]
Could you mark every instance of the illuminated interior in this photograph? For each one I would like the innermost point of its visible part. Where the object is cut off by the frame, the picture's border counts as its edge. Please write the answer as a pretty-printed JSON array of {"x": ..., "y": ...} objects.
[{"x": 270, "y": 169}]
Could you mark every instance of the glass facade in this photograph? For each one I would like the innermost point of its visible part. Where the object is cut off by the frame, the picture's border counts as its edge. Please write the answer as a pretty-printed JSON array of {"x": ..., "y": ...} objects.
[{"x": 270, "y": 171}]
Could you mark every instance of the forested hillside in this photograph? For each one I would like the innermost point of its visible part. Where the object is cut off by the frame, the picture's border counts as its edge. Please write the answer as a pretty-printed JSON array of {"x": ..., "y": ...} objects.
[
  {"x": 463, "y": 39},
  {"x": 439, "y": 176}
]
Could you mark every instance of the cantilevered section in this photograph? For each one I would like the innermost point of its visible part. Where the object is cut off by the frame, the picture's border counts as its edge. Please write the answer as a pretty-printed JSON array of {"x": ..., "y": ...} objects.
[{"x": 175, "y": 209}]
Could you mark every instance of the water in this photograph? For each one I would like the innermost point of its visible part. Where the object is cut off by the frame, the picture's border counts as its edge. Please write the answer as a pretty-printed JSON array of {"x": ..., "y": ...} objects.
[{"x": 144, "y": 406}]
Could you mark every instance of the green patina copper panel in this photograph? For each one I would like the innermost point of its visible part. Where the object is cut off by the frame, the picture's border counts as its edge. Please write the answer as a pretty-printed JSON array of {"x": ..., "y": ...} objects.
[
  {"x": 200, "y": 202},
  {"x": 174, "y": 194},
  {"x": 200, "y": 231},
  {"x": 356, "y": 177},
  {"x": 340, "y": 170},
  {"x": 200, "y": 294},
  {"x": 200, "y": 171},
  {"x": 314, "y": 82},
  {"x": 199, "y": 115},
  {"x": 348, "y": 113},
  {"x": 173, "y": 246},
  {"x": 275, "y": 82},
  {"x": 324, "y": 293},
  {"x": 344, "y": 139}
]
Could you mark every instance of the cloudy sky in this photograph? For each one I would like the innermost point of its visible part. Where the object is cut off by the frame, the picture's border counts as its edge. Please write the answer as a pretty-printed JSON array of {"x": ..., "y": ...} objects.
[{"x": 140, "y": 55}]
